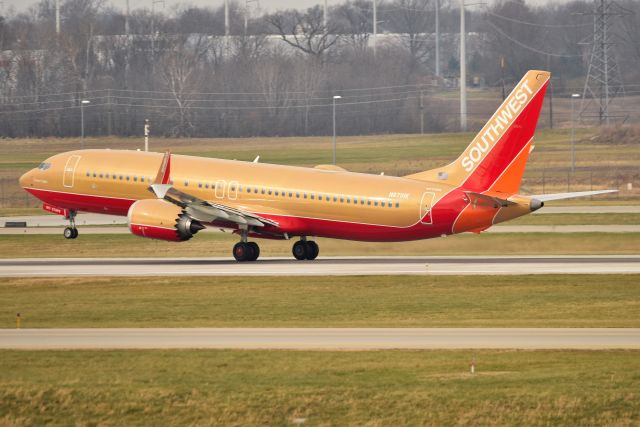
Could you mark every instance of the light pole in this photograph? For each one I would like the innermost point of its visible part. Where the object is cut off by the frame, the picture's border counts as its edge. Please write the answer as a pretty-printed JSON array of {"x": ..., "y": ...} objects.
[
  {"x": 375, "y": 26},
  {"x": 463, "y": 71},
  {"x": 334, "y": 126},
  {"x": 573, "y": 133},
  {"x": 82, "y": 104}
]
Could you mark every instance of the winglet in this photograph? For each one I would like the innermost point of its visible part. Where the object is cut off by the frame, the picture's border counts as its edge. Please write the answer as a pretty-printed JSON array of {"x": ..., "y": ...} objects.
[{"x": 165, "y": 170}]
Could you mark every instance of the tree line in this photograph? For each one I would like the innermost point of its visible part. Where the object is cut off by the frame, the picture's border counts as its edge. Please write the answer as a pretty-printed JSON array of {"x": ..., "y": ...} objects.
[{"x": 277, "y": 73}]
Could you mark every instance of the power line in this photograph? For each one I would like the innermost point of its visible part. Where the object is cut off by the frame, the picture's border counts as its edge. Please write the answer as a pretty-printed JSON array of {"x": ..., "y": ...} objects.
[
  {"x": 531, "y": 48},
  {"x": 518, "y": 21}
]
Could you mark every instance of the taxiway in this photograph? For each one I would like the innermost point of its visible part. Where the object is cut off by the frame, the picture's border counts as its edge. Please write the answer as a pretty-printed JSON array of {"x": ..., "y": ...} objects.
[
  {"x": 322, "y": 338},
  {"x": 442, "y": 265}
]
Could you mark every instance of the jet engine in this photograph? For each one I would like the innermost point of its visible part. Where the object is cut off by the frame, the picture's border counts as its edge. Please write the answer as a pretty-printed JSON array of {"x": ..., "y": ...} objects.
[{"x": 158, "y": 219}]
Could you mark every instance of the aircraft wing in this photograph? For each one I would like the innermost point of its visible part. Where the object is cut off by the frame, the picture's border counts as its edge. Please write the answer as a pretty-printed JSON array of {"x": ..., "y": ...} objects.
[
  {"x": 200, "y": 209},
  {"x": 562, "y": 196}
]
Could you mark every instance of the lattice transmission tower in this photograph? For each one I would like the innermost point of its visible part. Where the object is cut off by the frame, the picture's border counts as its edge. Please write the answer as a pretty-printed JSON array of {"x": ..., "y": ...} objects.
[{"x": 603, "y": 83}]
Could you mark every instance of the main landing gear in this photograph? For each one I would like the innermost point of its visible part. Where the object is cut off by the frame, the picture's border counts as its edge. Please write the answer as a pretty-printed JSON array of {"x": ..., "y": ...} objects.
[
  {"x": 245, "y": 251},
  {"x": 71, "y": 232},
  {"x": 305, "y": 249}
]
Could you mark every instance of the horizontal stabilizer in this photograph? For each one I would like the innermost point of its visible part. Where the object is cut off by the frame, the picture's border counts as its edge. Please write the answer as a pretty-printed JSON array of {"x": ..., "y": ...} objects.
[
  {"x": 478, "y": 199},
  {"x": 562, "y": 196}
]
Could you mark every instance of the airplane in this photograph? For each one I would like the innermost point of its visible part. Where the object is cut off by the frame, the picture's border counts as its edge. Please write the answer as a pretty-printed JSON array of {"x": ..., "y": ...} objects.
[{"x": 172, "y": 197}]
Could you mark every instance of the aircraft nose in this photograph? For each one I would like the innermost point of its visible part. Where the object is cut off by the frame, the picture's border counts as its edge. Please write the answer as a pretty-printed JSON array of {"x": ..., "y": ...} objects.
[{"x": 27, "y": 179}]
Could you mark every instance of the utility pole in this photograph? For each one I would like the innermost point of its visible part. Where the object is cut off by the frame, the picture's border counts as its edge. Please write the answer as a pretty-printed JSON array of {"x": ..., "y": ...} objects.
[
  {"x": 463, "y": 72},
  {"x": 58, "y": 17},
  {"x": 83, "y": 102},
  {"x": 246, "y": 14},
  {"x": 573, "y": 134},
  {"x": 324, "y": 15},
  {"x": 147, "y": 129},
  {"x": 335, "y": 97},
  {"x": 437, "y": 38},
  {"x": 375, "y": 26},
  {"x": 504, "y": 92},
  {"x": 153, "y": 30},
  {"x": 550, "y": 92},
  {"x": 126, "y": 20},
  {"x": 226, "y": 27},
  {"x": 421, "y": 113}
]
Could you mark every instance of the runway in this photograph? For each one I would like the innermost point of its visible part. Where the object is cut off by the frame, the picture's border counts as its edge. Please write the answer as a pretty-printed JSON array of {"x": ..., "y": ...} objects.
[
  {"x": 327, "y": 266},
  {"x": 321, "y": 338}
]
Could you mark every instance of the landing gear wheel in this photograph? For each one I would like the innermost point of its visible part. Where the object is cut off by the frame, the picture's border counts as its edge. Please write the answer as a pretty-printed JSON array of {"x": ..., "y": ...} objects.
[
  {"x": 255, "y": 251},
  {"x": 242, "y": 252},
  {"x": 312, "y": 250},
  {"x": 299, "y": 250},
  {"x": 70, "y": 233}
]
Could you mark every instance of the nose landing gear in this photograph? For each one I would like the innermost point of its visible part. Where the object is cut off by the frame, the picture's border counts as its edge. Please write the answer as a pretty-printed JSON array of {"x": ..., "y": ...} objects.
[
  {"x": 71, "y": 232},
  {"x": 305, "y": 249}
]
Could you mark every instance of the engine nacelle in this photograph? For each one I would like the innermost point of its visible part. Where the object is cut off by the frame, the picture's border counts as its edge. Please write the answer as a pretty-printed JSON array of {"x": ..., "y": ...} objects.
[{"x": 158, "y": 219}]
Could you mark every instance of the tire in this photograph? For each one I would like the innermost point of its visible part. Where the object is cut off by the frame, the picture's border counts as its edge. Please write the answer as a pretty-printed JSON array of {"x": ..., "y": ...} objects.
[
  {"x": 255, "y": 251},
  {"x": 75, "y": 233},
  {"x": 312, "y": 250},
  {"x": 299, "y": 250},
  {"x": 68, "y": 233},
  {"x": 241, "y": 252}
]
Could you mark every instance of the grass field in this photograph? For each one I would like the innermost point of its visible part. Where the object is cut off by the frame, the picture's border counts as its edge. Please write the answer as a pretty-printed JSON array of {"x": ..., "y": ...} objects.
[
  {"x": 220, "y": 244},
  {"x": 391, "y": 388},
  {"x": 370, "y": 301}
]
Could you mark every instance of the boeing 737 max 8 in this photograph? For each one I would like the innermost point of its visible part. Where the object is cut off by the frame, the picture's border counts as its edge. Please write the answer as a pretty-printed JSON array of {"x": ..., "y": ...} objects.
[{"x": 172, "y": 197}]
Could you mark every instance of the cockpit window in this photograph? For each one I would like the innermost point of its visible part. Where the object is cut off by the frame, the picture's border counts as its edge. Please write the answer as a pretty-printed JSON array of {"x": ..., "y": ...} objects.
[{"x": 44, "y": 166}]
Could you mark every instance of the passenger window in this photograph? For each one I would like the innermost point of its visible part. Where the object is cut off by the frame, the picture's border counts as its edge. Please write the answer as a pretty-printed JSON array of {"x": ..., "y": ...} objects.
[
  {"x": 335, "y": 199},
  {"x": 277, "y": 192},
  {"x": 94, "y": 174},
  {"x": 341, "y": 199},
  {"x": 382, "y": 203},
  {"x": 135, "y": 178},
  {"x": 142, "y": 179},
  {"x": 369, "y": 202},
  {"x": 290, "y": 194},
  {"x": 348, "y": 200},
  {"x": 206, "y": 185},
  {"x": 127, "y": 177},
  {"x": 199, "y": 185},
  {"x": 88, "y": 174},
  {"x": 397, "y": 205},
  {"x": 319, "y": 196},
  {"x": 362, "y": 201},
  {"x": 186, "y": 183},
  {"x": 375, "y": 203}
]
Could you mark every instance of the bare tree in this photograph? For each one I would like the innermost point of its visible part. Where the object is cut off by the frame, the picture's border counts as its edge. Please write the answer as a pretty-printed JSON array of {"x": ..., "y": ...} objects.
[
  {"x": 305, "y": 32},
  {"x": 180, "y": 72}
]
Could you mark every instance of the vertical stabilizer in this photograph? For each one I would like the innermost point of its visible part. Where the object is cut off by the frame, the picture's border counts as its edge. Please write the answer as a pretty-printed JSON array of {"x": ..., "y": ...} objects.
[{"x": 496, "y": 158}]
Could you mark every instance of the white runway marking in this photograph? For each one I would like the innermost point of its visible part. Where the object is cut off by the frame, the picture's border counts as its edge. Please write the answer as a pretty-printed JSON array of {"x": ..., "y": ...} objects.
[
  {"x": 321, "y": 338},
  {"x": 464, "y": 265}
]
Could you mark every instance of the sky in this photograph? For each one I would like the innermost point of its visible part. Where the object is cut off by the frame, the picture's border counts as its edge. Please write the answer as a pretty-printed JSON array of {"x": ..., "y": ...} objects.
[{"x": 265, "y": 5}]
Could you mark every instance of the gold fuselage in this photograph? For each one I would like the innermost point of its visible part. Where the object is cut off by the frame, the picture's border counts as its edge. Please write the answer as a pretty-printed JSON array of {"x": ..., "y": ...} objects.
[{"x": 289, "y": 193}]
